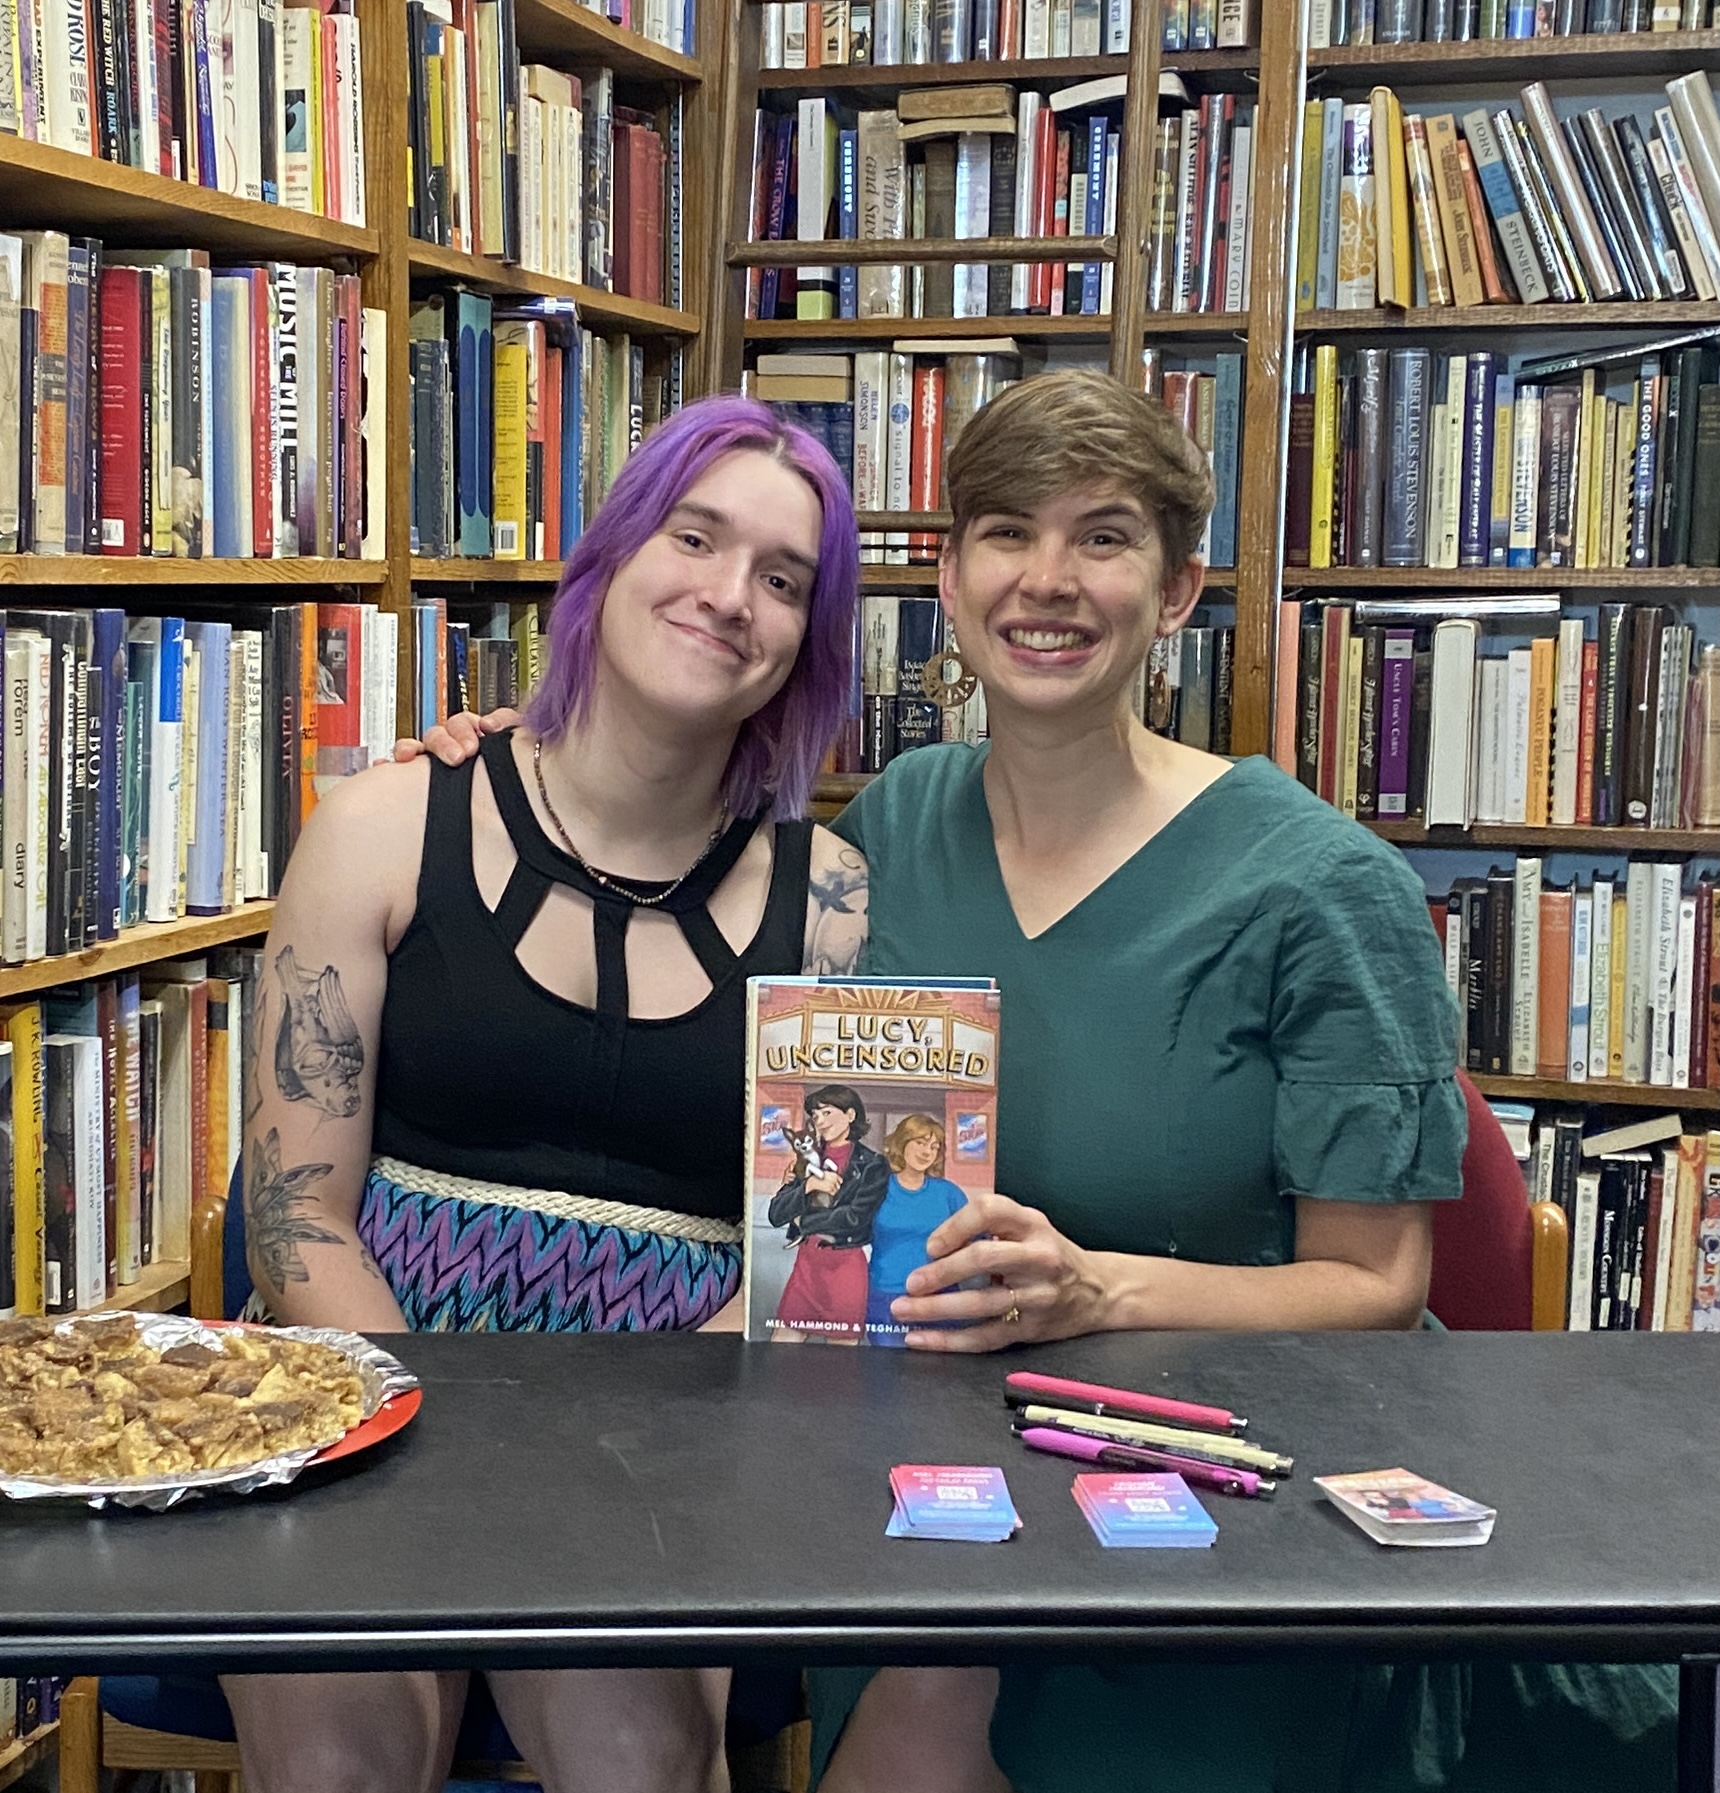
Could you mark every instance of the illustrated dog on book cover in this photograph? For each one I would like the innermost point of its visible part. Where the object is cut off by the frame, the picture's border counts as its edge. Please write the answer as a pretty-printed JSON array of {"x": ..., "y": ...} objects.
[{"x": 872, "y": 1119}]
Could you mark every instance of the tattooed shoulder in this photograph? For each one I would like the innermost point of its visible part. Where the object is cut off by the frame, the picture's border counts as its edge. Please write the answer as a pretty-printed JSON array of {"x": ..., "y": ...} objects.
[
  {"x": 275, "y": 1225},
  {"x": 319, "y": 1057},
  {"x": 836, "y": 901}
]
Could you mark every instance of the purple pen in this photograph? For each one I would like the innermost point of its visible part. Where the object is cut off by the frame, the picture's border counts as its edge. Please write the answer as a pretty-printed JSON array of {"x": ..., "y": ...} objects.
[{"x": 1212, "y": 1476}]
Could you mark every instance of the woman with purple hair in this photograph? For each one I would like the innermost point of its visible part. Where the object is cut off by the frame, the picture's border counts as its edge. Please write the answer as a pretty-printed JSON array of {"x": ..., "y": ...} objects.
[{"x": 584, "y": 902}]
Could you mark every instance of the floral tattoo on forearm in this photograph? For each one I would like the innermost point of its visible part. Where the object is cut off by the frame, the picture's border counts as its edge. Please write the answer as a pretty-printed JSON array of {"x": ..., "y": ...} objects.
[{"x": 275, "y": 1227}]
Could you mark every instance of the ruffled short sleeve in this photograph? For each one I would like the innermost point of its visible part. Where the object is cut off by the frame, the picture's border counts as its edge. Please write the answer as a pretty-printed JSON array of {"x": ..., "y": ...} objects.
[{"x": 1364, "y": 1038}]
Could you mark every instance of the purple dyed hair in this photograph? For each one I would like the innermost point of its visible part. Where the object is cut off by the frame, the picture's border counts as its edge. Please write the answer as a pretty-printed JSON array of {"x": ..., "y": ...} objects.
[{"x": 779, "y": 749}]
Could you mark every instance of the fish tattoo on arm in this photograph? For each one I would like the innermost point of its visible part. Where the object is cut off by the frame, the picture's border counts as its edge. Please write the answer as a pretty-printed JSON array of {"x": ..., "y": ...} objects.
[{"x": 319, "y": 1056}]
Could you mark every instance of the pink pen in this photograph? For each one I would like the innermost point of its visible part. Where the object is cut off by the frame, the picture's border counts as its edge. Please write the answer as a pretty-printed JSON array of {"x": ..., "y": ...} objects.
[
  {"x": 1241, "y": 1482},
  {"x": 1025, "y": 1387}
]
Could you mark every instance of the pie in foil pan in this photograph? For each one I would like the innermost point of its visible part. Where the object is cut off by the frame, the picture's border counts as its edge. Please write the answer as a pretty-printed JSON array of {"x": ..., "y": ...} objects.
[{"x": 147, "y": 1410}]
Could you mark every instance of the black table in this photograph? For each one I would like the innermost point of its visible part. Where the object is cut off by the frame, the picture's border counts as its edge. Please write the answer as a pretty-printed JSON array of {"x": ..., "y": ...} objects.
[{"x": 608, "y": 1500}]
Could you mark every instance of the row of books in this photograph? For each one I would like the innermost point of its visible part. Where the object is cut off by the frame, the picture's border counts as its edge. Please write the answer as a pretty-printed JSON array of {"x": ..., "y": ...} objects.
[
  {"x": 124, "y": 1099},
  {"x": 157, "y": 767},
  {"x": 1186, "y": 684},
  {"x": 1408, "y": 457},
  {"x": 907, "y": 699},
  {"x": 813, "y": 34},
  {"x": 259, "y": 98},
  {"x": 1338, "y": 22},
  {"x": 1563, "y": 203},
  {"x": 151, "y": 404},
  {"x": 473, "y": 656},
  {"x": 1201, "y": 221},
  {"x": 1642, "y": 1211},
  {"x": 28, "y": 1704},
  {"x": 520, "y": 421},
  {"x": 968, "y": 162},
  {"x": 1392, "y": 716},
  {"x": 539, "y": 167},
  {"x": 1575, "y": 982},
  {"x": 1209, "y": 407}
]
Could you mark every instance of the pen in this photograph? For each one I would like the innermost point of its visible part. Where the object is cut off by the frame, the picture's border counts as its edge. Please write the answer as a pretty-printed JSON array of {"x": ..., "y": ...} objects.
[
  {"x": 1207, "y": 1447},
  {"x": 1242, "y": 1482},
  {"x": 1024, "y": 1386}
]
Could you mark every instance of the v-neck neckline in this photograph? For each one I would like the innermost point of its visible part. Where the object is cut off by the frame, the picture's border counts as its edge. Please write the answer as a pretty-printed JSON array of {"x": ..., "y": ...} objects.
[{"x": 994, "y": 864}]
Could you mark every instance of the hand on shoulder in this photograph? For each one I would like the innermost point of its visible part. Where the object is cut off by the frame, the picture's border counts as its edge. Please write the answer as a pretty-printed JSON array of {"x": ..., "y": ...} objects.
[{"x": 456, "y": 739}]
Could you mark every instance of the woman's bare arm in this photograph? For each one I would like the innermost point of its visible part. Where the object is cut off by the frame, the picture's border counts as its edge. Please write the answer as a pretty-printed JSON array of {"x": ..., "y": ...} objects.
[
  {"x": 310, "y": 1089},
  {"x": 836, "y": 904}
]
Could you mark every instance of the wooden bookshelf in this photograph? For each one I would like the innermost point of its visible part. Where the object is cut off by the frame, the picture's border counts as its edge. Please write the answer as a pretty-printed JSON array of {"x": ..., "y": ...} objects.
[
  {"x": 142, "y": 945},
  {"x": 19, "y": 1757},
  {"x": 1596, "y": 1089},
  {"x": 1194, "y": 323},
  {"x": 926, "y": 331},
  {"x": 44, "y": 186},
  {"x": 1210, "y": 67},
  {"x": 158, "y": 1290},
  {"x": 864, "y": 83},
  {"x": 907, "y": 251},
  {"x": 1665, "y": 314},
  {"x": 552, "y": 30},
  {"x": 893, "y": 578},
  {"x": 1517, "y": 60},
  {"x": 1520, "y": 837},
  {"x": 484, "y": 572},
  {"x": 487, "y": 274},
  {"x": 266, "y": 576},
  {"x": 1646, "y": 580}
]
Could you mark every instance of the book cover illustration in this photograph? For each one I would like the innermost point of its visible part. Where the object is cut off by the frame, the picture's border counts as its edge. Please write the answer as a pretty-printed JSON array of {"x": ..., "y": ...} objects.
[
  {"x": 871, "y": 1118},
  {"x": 1395, "y": 1506}
]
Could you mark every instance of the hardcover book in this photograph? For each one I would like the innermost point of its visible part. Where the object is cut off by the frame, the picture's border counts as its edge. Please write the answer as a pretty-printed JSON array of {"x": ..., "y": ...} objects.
[{"x": 871, "y": 1119}]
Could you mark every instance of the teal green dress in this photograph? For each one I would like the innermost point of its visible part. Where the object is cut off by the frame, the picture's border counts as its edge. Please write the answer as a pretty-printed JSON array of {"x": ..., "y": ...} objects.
[{"x": 1250, "y": 1010}]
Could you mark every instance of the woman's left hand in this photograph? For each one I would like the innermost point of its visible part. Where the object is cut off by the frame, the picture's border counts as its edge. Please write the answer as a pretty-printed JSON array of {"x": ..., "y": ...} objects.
[{"x": 1042, "y": 1285}]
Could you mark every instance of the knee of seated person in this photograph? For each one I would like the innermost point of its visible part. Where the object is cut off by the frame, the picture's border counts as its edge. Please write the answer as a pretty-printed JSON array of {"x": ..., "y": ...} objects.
[
  {"x": 669, "y": 1758},
  {"x": 328, "y": 1764},
  {"x": 944, "y": 1696}
]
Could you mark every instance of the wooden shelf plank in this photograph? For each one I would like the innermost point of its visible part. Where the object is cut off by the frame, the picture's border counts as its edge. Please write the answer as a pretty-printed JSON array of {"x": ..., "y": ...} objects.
[
  {"x": 1670, "y": 314},
  {"x": 1704, "y": 842},
  {"x": 159, "y": 1288},
  {"x": 892, "y": 578},
  {"x": 1206, "y": 63},
  {"x": 889, "y": 79},
  {"x": 595, "y": 308},
  {"x": 908, "y": 250},
  {"x": 41, "y": 185},
  {"x": 485, "y": 572},
  {"x": 103, "y": 569},
  {"x": 1195, "y": 323},
  {"x": 1596, "y": 56},
  {"x": 17, "y": 1759},
  {"x": 1434, "y": 579},
  {"x": 921, "y": 521},
  {"x": 142, "y": 945},
  {"x": 562, "y": 28},
  {"x": 1638, "y": 1095},
  {"x": 928, "y": 330}
]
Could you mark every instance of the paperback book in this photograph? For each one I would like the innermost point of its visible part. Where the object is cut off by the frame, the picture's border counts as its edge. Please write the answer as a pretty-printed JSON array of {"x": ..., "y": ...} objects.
[
  {"x": 1394, "y": 1506},
  {"x": 871, "y": 1119}
]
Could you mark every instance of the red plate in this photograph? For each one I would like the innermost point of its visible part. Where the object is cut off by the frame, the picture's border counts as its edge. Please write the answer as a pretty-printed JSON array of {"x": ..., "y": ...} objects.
[{"x": 388, "y": 1419}]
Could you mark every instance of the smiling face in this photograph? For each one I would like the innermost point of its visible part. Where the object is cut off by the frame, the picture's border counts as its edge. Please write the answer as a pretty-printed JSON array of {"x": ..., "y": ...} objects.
[
  {"x": 703, "y": 623},
  {"x": 920, "y": 1155},
  {"x": 1056, "y": 606},
  {"x": 831, "y": 1124}
]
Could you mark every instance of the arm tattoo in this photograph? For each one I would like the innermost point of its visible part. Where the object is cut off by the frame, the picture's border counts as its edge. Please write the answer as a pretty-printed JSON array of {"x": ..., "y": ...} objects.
[
  {"x": 253, "y": 1085},
  {"x": 274, "y": 1227},
  {"x": 836, "y": 921},
  {"x": 318, "y": 1054}
]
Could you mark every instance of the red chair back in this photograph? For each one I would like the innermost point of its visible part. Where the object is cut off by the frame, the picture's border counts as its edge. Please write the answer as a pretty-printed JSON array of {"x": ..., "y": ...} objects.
[{"x": 1483, "y": 1244}]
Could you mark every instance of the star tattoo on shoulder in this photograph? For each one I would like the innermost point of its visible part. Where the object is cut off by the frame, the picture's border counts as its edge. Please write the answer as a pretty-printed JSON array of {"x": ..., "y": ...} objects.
[{"x": 275, "y": 1227}]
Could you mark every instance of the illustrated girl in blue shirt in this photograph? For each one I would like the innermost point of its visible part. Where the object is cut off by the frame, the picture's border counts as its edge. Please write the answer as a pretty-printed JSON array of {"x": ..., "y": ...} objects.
[{"x": 920, "y": 1198}]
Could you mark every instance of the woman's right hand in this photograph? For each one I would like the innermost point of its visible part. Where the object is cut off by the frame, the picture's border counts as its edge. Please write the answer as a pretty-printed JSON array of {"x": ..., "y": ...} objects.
[{"x": 457, "y": 738}]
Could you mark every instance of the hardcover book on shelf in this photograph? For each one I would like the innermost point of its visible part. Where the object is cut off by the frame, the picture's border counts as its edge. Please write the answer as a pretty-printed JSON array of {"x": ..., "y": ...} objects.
[{"x": 871, "y": 1119}]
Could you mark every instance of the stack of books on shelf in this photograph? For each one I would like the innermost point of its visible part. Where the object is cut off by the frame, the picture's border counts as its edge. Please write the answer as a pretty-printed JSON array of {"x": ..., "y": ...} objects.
[
  {"x": 125, "y": 1101},
  {"x": 1206, "y": 24},
  {"x": 1609, "y": 718},
  {"x": 1202, "y": 216},
  {"x": 889, "y": 418},
  {"x": 473, "y": 656},
  {"x": 1334, "y": 23},
  {"x": 154, "y": 405},
  {"x": 532, "y": 165},
  {"x": 890, "y": 33},
  {"x": 1579, "y": 982},
  {"x": 1407, "y": 457},
  {"x": 955, "y": 162},
  {"x": 1209, "y": 407},
  {"x": 902, "y": 706},
  {"x": 158, "y": 768},
  {"x": 1561, "y": 202},
  {"x": 29, "y": 1704},
  {"x": 1641, "y": 1201},
  {"x": 520, "y": 421},
  {"x": 1185, "y": 688},
  {"x": 263, "y": 100}
]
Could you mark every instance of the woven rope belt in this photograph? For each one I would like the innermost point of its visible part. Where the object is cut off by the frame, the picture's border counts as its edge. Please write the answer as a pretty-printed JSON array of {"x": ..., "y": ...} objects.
[{"x": 562, "y": 1206}]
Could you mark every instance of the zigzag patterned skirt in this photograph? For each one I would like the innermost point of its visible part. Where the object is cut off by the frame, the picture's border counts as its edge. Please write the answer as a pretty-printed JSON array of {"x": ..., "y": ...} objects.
[{"x": 495, "y": 1260}]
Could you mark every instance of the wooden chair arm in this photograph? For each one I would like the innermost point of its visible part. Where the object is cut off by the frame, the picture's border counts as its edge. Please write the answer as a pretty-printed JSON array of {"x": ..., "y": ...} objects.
[
  {"x": 1550, "y": 1272},
  {"x": 80, "y": 1737},
  {"x": 208, "y": 1226}
]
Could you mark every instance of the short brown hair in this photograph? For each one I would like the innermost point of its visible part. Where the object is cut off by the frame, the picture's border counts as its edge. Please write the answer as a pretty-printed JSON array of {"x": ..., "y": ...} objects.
[
  {"x": 905, "y": 1132},
  {"x": 1061, "y": 432}
]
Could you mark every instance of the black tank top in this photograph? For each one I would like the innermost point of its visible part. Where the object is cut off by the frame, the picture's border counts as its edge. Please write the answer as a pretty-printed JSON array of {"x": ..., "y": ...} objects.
[{"x": 484, "y": 1073}]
